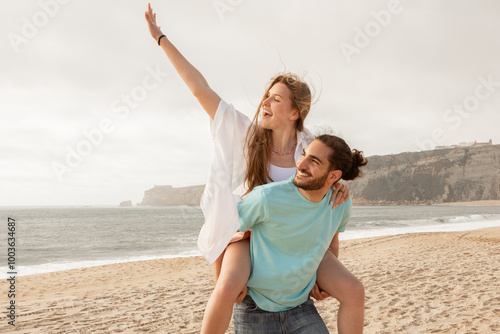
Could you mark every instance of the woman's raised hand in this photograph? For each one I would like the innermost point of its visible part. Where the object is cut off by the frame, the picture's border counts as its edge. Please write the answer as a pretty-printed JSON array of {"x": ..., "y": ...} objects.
[
  {"x": 153, "y": 27},
  {"x": 207, "y": 98}
]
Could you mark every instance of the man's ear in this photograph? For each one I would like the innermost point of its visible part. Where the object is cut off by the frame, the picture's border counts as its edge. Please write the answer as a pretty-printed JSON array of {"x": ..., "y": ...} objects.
[{"x": 334, "y": 176}]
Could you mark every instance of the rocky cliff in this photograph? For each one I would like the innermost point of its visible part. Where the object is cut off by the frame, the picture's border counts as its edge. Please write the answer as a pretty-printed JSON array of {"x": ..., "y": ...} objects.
[
  {"x": 449, "y": 175},
  {"x": 460, "y": 174},
  {"x": 168, "y": 195}
]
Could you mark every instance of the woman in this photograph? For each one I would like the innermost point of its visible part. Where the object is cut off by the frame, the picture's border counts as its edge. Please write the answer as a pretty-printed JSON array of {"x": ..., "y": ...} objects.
[{"x": 248, "y": 154}]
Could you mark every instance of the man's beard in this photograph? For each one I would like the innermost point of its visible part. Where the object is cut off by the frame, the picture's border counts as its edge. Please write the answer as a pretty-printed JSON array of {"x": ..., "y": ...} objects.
[{"x": 312, "y": 184}]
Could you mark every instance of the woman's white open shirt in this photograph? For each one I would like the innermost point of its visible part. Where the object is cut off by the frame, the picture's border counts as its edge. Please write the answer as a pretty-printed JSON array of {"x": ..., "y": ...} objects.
[{"x": 225, "y": 184}]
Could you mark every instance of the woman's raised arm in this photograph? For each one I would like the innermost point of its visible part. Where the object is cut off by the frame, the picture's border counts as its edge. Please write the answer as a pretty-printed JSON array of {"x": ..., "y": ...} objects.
[{"x": 208, "y": 99}]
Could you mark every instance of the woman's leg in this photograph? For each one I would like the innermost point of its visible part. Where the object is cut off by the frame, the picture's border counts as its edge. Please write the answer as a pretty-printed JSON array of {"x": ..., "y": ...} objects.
[
  {"x": 218, "y": 265},
  {"x": 339, "y": 282},
  {"x": 234, "y": 274}
]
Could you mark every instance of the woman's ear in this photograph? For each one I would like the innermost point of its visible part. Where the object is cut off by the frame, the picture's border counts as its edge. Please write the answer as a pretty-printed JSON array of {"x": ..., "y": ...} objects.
[{"x": 295, "y": 116}]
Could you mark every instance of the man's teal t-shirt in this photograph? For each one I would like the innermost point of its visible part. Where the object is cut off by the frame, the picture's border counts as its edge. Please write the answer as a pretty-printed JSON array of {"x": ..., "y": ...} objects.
[{"x": 290, "y": 236}]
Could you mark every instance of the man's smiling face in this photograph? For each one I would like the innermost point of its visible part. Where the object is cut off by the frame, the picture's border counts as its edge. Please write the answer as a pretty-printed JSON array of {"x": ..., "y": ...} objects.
[{"x": 313, "y": 168}]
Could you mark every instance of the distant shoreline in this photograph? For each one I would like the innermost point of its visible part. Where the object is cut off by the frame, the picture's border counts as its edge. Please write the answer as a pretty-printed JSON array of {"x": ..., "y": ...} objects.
[
  {"x": 485, "y": 203},
  {"x": 472, "y": 203}
]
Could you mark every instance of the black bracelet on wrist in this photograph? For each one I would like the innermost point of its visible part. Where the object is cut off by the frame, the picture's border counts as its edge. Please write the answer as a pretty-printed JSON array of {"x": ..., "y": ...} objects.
[{"x": 159, "y": 38}]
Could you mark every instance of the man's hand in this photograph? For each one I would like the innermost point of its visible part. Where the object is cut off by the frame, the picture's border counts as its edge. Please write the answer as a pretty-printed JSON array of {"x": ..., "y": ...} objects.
[
  {"x": 318, "y": 294},
  {"x": 242, "y": 295}
]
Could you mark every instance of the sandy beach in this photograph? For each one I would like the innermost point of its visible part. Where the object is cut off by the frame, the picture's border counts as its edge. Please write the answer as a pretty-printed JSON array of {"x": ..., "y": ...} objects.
[{"x": 415, "y": 283}]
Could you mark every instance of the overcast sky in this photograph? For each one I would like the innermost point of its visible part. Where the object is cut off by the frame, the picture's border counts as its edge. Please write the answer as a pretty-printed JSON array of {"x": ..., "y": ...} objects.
[{"x": 92, "y": 112}]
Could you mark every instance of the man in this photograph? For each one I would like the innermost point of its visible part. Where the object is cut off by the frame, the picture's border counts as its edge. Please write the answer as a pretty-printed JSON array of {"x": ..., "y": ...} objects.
[{"x": 293, "y": 226}]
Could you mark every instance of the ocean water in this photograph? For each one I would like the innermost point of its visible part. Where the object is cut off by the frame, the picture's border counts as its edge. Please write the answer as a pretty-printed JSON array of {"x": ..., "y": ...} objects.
[{"x": 59, "y": 238}]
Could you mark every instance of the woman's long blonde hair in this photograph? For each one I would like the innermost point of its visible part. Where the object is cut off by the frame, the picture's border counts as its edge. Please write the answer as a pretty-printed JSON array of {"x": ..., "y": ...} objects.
[{"x": 258, "y": 141}]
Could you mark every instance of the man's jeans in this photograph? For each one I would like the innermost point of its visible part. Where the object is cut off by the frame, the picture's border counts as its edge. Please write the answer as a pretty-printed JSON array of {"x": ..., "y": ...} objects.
[{"x": 303, "y": 319}]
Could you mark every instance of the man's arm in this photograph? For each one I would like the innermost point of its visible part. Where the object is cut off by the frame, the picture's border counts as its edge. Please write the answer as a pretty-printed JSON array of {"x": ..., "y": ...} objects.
[
  {"x": 316, "y": 293},
  {"x": 334, "y": 245}
]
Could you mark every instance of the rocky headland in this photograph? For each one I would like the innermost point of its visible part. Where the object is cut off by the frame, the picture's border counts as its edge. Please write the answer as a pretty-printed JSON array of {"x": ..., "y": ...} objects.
[
  {"x": 170, "y": 196},
  {"x": 461, "y": 174}
]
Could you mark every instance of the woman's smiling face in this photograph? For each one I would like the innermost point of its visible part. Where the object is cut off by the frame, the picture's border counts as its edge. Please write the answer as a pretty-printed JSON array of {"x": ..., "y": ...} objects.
[{"x": 277, "y": 108}]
